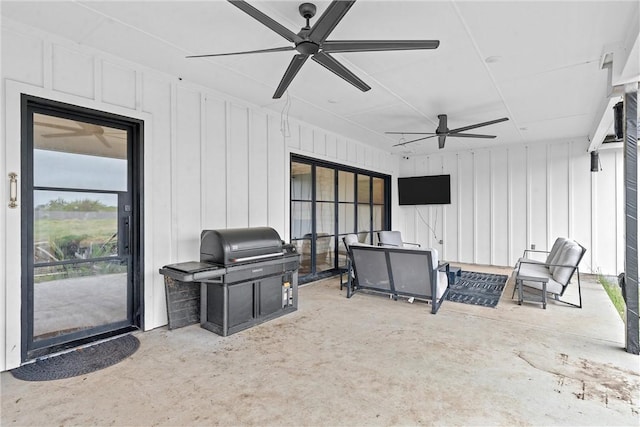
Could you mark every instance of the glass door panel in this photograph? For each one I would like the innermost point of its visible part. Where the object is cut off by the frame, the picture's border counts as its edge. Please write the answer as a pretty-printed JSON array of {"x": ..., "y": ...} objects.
[
  {"x": 325, "y": 218},
  {"x": 378, "y": 221},
  {"x": 364, "y": 189},
  {"x": 301, "y": 233},
  {"x": 324, "y": 253},
  {"x": 78, "y": 297},
  {"x": 377, "y": 206},
  {"x": 301, "y": 181},
  {"x": 74, "y": 287},
  {"x": 346, "y": 218},
  {"x": 378, "y": 191},
  {"x": 325, "y": 232},
  {"x": 364, "y": 223},
  {"x": 71, "y": 225},
  {"x": 346, "y": 186},
  {"x": 78, "y": 256},
  {"x": 346, "y": 211},
  {"x": 327, "y": 202},
  {"x": 300, "y": 220},
  {"x": 325, "y": 184},
  {"x": 301, "y": 213}
]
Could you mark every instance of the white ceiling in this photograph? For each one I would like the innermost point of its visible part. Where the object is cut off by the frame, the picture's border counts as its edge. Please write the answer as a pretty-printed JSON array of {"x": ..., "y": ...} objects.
[{"x": 545, "y": 73}]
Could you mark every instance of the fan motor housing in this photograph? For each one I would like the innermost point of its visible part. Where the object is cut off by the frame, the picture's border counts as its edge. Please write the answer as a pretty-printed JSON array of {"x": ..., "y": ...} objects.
[{"x": 307, "y": 47}]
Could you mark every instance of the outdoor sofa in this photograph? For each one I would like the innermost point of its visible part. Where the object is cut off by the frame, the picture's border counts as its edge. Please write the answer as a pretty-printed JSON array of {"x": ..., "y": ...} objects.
[{"x": 397, "y": 271}]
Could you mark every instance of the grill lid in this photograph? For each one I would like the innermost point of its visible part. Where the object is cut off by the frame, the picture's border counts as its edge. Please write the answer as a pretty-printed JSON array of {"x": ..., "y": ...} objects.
[{"x": 236, "y": 245}]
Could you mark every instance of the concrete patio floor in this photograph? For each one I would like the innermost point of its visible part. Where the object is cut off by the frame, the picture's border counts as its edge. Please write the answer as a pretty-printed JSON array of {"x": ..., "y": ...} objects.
[{"x": 363, "y": 361}]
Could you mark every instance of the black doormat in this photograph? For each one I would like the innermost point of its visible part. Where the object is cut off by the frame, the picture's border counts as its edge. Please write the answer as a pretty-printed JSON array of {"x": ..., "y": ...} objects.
[
  {"x": 79, "y": 362},
  {"x": 474, "y": 288}
]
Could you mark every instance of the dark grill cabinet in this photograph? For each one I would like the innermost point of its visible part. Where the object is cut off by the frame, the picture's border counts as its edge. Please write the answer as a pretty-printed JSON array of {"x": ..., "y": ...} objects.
[{"x": 227, "y": 308}]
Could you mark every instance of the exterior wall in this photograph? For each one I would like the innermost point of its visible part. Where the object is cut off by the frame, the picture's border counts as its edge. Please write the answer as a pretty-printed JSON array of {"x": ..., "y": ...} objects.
[
  {"x": 211, "y": 161},
  {"x": 505, "y": 199}
]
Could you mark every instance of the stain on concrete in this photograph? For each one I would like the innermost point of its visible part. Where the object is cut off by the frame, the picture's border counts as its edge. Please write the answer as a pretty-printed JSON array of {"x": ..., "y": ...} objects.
[{"x": 590, "y": 380}]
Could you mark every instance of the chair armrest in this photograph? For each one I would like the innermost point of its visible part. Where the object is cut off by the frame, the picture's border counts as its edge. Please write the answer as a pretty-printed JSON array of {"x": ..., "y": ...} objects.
[
  {"x": 548, "y": 265},
  {"x": 388, "y": 244},
  {"x": 409, "y": 243},
  {"x": 524, "y": 255},
  {"x": 443, "y": 267}
]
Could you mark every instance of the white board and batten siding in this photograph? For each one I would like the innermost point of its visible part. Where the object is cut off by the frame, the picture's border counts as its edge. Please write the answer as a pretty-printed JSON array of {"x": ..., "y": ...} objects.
[
  {"x": 503, "y": 200},
  {"x": 210, "y": 161}
]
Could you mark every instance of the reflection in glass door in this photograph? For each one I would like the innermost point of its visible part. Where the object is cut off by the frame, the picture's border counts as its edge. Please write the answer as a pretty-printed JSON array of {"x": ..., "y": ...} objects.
[{"x": 78, "y": 229}]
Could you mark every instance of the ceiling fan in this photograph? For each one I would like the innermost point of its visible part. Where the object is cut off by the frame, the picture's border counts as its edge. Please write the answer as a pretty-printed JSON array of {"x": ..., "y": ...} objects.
[
  {"x": 442, "y": 131},
  {"x": 311, "y": 41},
  {"x": 85, "y": 129}
]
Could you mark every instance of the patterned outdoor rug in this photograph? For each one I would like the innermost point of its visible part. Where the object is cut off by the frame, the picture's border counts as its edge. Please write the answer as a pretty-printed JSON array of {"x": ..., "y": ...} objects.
[
  {"x": 80, "y": 361},
  {"x": 477, "y": 288}
]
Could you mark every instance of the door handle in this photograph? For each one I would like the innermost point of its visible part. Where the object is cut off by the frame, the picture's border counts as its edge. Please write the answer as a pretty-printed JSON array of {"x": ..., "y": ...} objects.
[
  {"x": 126, "y": 237},
  {"x": 13, "y": 190}
]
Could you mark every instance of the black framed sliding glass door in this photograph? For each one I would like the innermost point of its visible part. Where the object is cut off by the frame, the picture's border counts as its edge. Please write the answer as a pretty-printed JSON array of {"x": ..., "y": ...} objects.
[{"x": 329, "y": 201}]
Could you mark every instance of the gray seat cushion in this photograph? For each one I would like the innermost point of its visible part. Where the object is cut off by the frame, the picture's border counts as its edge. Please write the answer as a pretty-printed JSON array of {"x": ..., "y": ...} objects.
[
  {"x": 350, "y": 239},
  {"x": 569, "y": 255},
  {"x": 390, "y": 238},
  {"x": 555, "y": 252}
]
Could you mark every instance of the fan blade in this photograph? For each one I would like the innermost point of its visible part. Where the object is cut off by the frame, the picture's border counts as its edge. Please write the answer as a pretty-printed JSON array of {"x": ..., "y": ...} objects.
[
  {"x": 275, "y": 49},
  {"x": 329, "y": 19},
  {"x": 294, "y": 66},
  {"x": 378, "y": 45},
  {"x": 267, "y": 21},
  {"x": 411, "y": 133},
  {"x": 55, "y": 126},
  {"x": 413, "y": 140},
  {"x": 477, "y": 125},
  {"x": 442, "y": 126},
  {"x": 441, "y": 140},
  {"x": 469, "y": 135},
  {"x": 104, "y": 141},
  {"x": 330, "y": 63},
  {"x": 66, "y": 134}
]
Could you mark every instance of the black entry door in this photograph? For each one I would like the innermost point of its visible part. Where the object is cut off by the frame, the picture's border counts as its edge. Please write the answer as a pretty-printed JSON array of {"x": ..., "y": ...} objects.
[{"x": 81, "y": 226}]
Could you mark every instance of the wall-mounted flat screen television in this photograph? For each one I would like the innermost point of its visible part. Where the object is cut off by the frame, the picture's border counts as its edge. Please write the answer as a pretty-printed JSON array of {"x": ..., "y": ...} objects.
[{"x": 425, "y": 190}]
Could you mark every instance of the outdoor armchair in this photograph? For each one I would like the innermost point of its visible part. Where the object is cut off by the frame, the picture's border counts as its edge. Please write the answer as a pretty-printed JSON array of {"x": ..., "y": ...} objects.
[{"x": 553, "y": 275}]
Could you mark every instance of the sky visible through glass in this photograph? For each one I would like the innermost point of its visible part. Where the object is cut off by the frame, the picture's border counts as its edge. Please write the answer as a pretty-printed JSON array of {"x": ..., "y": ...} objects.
[{"x": 77, "y": 171}]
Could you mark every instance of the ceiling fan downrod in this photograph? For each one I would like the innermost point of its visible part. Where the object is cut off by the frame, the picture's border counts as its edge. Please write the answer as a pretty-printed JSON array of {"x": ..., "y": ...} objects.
[
  {"x": 306, "y": 46},
  {"x": 308, "y": 11}
]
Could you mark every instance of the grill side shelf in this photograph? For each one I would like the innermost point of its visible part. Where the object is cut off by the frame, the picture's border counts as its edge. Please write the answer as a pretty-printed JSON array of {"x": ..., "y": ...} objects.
[{"x": 183, "y": 273}]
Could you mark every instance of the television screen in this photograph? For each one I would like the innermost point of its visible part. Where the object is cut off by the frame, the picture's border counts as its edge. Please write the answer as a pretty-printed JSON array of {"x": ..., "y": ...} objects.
[{"x": 425, "y": 190}]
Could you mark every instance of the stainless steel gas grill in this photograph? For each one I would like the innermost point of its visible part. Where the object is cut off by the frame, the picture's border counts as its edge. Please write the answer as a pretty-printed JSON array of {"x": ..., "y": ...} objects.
[{"x": 247, "y": 276}]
